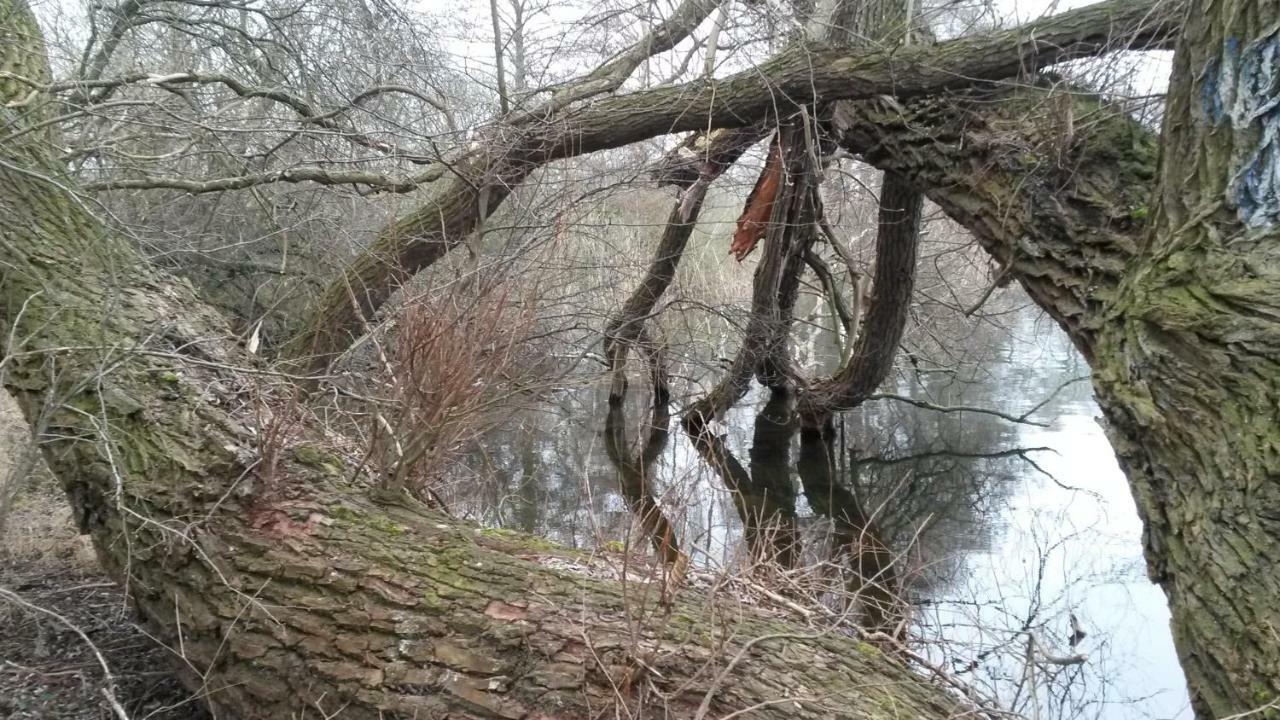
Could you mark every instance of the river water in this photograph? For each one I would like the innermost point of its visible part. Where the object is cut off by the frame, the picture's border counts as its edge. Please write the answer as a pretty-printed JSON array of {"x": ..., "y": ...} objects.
[{"x": 1006, "y": 529}]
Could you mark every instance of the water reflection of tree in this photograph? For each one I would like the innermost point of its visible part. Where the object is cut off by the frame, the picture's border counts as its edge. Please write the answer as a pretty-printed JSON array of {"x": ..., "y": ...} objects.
[
  {"x": 934, "y": 485},
  {"x": 891, "y": 494},
  {"x": 936, "y": 481},
  {"x": 543, "y": 472}
]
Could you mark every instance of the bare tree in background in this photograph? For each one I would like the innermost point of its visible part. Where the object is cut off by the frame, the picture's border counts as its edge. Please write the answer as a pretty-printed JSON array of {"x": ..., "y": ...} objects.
[{"x": 305, "y": 593}]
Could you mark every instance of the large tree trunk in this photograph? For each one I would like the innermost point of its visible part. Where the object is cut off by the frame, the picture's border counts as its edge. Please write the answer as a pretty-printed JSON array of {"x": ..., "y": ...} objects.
[
  {"x": 284, "y": 591},
  {"x": 1167, "y": 279},
  {"x": 1188, "y": 367}
]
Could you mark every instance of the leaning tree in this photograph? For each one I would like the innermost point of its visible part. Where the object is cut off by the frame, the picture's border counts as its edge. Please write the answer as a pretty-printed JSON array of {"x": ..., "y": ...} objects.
[{"x": 286, "y": 588}]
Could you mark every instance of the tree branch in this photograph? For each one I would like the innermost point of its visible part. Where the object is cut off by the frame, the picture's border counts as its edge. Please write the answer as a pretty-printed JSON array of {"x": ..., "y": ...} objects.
[
  {"x": 798, "y": 75},
  {"x": 897, "y": 240}
]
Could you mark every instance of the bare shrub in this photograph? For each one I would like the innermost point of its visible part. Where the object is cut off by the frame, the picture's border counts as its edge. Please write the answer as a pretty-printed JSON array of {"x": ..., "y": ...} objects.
[{"x": 450, "y": 373}]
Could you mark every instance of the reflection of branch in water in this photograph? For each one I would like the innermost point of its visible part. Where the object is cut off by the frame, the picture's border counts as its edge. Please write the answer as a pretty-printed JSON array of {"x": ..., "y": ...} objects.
[
  {"x": 762, "y": 495},
  {"x": 770, "y": 492},
  {"x": 1022, "y": 453},
  {"x": 874, "y": 579},
  {"x": 876, "y": 460},
  {"x": 627, "y": 329},
  {"x": 636, "y": 470}
]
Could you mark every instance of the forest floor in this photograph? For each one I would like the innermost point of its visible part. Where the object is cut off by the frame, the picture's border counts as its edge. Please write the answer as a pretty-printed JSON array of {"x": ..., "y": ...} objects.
[{"x": 47, "y": 669}]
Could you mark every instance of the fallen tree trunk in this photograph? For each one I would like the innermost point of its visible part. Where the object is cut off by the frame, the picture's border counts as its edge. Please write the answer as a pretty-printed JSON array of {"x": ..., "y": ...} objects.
[{"x": 280, "y": 587}]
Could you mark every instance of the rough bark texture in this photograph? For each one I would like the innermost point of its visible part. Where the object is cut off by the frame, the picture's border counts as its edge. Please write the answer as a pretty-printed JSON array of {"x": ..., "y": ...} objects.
[
  {"x": 1062, "y": 212},
  {"x": 285, "y": 592},
  {"x": 897, "y": 239},
  {"x": 1179, "y": 317},
  {"x": 1188, "y": 362}
]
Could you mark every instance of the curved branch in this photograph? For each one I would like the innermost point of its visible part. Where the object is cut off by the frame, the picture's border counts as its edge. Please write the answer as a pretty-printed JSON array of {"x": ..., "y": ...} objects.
[
  {"x": 765, "y": 337},
  {"x": 636, "y": 469},
  {"x": 626, "y": 330},
  {"x": 626, "y": 327},
  {"x": 871, "y": 361}
]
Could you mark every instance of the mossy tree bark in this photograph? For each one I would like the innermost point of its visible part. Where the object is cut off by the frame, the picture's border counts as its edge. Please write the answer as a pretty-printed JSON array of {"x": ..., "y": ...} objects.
[
  {"x": 283, "y": 590},
  {"x": 1188, "y": 359},
  {"x": 1165, "y": 274}
]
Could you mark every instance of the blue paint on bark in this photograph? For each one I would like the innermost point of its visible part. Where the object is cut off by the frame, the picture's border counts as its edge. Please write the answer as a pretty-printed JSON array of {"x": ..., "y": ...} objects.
[{"x": 1241, "y": 89}]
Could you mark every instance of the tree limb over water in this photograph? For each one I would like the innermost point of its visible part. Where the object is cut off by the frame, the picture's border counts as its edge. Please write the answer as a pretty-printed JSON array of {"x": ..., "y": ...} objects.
[{"x": 798, "y": 76}]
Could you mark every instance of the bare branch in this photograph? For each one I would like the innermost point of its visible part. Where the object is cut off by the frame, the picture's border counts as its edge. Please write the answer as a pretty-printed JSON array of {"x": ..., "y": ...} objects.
[
  {"x": 609, "y": 76},
  {"x": 318, "y": 175},
  {"x": 307, "y": 111}
]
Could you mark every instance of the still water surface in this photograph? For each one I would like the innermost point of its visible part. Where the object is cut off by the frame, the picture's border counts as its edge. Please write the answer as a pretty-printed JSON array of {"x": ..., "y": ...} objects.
[{"x": 1009, "y": 526}]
